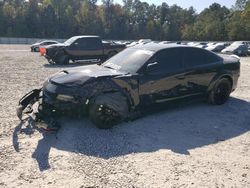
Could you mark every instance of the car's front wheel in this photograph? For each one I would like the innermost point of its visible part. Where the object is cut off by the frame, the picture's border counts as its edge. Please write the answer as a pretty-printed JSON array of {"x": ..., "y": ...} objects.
[
  {"x": 221, "y": 92},
  {"x": 62, "y": 60},
  {"x": 107, "y": 110}
]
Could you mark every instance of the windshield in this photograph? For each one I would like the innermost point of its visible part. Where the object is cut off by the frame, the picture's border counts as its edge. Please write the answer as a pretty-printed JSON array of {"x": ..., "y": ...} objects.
[
  {"x": 129, "y": 60},
  {"x": 70, "y": 40}
]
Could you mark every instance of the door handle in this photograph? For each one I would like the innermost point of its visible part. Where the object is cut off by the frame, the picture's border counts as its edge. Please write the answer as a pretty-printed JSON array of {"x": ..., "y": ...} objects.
[{"x": 180, "y": 77}]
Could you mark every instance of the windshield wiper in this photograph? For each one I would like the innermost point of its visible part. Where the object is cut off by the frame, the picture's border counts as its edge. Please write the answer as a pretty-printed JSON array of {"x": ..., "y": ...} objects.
[{"x": 109, "y": 67}]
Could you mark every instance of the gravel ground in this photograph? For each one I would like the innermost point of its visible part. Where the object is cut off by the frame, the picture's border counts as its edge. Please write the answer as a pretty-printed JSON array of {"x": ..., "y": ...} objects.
[{"x": 196, "y": 145}]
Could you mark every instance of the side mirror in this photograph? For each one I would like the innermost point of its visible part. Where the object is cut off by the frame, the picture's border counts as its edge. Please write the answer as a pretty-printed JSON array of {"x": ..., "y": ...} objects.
[{"x": 152, "y": 66}]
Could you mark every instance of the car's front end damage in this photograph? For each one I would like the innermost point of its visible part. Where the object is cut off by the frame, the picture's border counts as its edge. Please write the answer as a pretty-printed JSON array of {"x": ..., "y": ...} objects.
[
  {"x": 71, "y": 92},
  {"x": 26, "y": 102},
  {"x": 64, "y": 98},
  {"x": 53, "y": 52}
]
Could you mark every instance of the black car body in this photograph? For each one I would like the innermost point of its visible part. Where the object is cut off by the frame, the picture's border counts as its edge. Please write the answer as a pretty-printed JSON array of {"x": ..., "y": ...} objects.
[
  {"x": 82, "y": 48},
  {"x": 139, "y": 77},
  {"x": 35, "y": 47}
]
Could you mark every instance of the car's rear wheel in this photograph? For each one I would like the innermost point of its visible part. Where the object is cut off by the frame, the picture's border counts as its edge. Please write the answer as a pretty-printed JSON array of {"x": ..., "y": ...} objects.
[
  {"x": 108, "y": 110},
  {"x": 221, "y": 92}
]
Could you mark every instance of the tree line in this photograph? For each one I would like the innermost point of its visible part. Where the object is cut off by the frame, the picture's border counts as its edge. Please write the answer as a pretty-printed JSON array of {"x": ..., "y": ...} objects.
[{"x": 131, "y": 20}]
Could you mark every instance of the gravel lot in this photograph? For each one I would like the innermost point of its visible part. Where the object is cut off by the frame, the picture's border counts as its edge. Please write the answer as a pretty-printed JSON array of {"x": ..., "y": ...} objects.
[{"x": 194, "y": 145}]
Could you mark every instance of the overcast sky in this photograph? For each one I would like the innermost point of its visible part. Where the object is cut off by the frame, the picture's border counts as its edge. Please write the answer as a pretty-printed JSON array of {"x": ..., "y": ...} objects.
[{"x": 199, "y": 5}]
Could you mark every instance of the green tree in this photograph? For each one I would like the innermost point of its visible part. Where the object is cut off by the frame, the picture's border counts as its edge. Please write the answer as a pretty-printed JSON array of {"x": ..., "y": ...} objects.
[{"x": 211, "y": 24}]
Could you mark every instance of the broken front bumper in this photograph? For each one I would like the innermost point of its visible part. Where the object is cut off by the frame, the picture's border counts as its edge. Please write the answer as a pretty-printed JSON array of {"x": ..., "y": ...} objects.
[
  {"x": 50, "y": 104},
  {"x": 27, "y": 101}
]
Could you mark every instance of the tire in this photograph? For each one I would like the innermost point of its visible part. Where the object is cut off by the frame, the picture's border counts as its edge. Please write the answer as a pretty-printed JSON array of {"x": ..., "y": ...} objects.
[
  {"x": 221, "y": 92},
  {"x": 108, "y": 110},
  {"x": 62, "y": 60}
]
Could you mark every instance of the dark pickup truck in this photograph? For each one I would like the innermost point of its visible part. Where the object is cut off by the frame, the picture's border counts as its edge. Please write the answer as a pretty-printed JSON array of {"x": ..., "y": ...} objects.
[{"x": 81, "y": 48}]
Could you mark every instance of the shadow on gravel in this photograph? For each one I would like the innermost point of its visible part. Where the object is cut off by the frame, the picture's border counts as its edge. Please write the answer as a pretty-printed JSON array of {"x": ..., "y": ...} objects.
[
  {"x": 28, "y": 130},
  {"x": 178, "y": 129}
]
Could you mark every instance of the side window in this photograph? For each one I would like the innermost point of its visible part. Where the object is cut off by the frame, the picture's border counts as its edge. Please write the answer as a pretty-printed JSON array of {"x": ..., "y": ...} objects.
[
  {"x": 195, "y": 57},
  {"x": 80, "y": 44},
  {"x": 169, "y": 61},
  {"x": 93, "y": 44}
]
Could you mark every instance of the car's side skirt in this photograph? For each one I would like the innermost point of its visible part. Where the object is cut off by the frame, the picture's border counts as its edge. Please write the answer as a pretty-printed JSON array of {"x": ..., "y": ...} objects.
[{"x": 176, "y": 98}]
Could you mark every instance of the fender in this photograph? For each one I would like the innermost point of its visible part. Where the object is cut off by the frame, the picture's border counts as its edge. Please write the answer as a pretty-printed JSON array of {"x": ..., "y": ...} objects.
[
  {"x": 217, "y": 78},
  {"x": 129, "y": 87}
]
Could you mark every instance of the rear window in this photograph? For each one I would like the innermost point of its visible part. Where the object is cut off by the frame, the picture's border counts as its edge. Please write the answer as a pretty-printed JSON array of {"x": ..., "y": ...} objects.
[{"x": 195, "y": 57}]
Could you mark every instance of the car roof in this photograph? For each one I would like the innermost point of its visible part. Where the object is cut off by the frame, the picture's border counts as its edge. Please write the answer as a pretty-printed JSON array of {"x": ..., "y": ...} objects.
[
  {"x": 86, "y": 36},
  {"x": 157, "y": 47}
]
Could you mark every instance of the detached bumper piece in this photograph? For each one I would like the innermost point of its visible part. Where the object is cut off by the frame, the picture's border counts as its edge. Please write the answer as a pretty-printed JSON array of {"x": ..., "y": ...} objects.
[
  {"x": 26, "y": 102},
  {"x": 25, "y": 107}
]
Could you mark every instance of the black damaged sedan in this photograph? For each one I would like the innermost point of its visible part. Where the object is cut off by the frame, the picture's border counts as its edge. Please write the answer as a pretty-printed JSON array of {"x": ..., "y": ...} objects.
[{"x": 134, "y": 79}]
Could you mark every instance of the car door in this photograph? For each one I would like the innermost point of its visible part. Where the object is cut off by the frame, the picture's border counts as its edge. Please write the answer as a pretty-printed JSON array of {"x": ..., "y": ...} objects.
[
  {"x": 86, "y": 48},
  {"x": 162, "y": 78},
  {"x": 200, "y": 68},
  {"x": 94, "y": 48}
]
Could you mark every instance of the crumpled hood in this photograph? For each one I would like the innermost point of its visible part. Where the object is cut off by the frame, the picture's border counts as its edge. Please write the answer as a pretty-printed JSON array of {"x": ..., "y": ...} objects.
[{"x": 80, "y": 75}]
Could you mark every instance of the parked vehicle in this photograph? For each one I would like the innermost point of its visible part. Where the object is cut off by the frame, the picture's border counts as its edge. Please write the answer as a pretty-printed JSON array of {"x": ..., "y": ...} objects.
[
  {"x": 139, "y": 42},
  {"x": 218, "y": 47},
  {"x": 201, "y": 45},
  {"x": 135, "y": 79},
  {"x": 247, "y": 43},
  {"x": 237, "y": 49},
  {"x": 144, "y": 41},
  {"x": 165, "y": 42},
  {"x": 35, "y": 47},
  {"x": 81, "y": 48}
]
